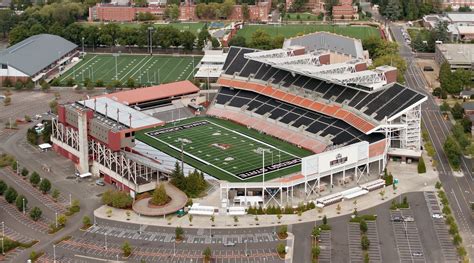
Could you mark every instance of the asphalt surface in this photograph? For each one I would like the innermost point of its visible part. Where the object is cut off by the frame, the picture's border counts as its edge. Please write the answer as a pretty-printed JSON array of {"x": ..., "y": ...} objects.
[
  {"x": 394, "y": 244},
  {"x": 460, "y": 190}
]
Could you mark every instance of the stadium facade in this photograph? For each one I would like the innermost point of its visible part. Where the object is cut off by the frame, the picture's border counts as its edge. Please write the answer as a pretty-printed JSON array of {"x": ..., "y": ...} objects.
[{"x": 316, "y": 92}]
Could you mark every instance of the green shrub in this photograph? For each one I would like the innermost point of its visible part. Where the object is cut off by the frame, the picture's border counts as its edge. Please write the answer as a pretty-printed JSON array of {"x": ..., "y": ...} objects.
[
  {"x": 35, "y": 213},
  {"x": 421, "y": 166},
  {"x": 21, "y": 202},
  {"x": 117, "y": 199},
  {"x": 364, "y": 242},
  {"x": 3, "y": 187},
  {"x": 11, "y": 195},
  {"x": 35, "y": 179}
]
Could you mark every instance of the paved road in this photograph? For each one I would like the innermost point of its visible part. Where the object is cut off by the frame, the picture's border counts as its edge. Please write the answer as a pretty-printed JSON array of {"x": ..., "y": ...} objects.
[{"x": 460, "y": 190}]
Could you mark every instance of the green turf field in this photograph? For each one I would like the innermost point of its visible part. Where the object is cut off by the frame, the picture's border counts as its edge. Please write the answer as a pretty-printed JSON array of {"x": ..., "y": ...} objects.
[
  {"x": 225, "y": 150},
  {"x": 144, "y": 69},
  {"x": 360, "y": 32}
]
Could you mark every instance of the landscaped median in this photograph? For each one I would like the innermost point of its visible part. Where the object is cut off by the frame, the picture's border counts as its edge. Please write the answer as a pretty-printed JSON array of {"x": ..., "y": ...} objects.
[{"x": 451, "y": 222}]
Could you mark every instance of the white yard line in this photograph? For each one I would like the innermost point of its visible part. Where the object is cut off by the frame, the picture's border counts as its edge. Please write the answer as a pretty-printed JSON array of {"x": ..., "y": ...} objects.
[
  {"x": 130, "y": 71},
  {"x": 72, "y": 70}
]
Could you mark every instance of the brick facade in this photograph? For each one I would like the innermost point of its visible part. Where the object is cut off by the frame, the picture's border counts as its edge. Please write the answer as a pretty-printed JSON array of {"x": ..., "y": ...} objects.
[{"x": 187, "y": 12}]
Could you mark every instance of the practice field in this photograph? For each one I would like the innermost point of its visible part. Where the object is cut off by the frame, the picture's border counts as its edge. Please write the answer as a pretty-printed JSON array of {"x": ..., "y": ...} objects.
[
  {"x": 359, "y": 32},
  {"x": 225, "y": 150},
  {"x": 144, "y": 69}
]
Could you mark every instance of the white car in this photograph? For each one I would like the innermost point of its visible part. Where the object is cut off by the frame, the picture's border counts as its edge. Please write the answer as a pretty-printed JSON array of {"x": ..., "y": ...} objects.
[
  {"x": 437, "y": 216},
  {"x": 409, "y": 219}
]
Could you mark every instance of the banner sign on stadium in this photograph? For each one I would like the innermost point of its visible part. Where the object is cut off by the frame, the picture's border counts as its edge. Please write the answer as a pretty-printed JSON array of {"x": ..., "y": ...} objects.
[
  {"x": 326, "y": 161},
  {"x": 269, "y": 168}
]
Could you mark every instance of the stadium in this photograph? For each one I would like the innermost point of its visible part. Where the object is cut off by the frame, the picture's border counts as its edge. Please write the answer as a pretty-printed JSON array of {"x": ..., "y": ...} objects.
[{"x": 307, "y": 122}]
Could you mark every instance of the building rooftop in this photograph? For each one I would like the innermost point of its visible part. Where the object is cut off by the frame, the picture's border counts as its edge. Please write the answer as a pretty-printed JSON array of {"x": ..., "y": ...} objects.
[
  {"x": 457, "y": 53},
  {"x": 152, "y": 93},
  {"x": 461, "y": 17},
  {"x": 35, "y": 53},
  {"x": 328, "y": 41},
  {"x": 120, "y": 113},
  {"x": 468, "y": 105}
]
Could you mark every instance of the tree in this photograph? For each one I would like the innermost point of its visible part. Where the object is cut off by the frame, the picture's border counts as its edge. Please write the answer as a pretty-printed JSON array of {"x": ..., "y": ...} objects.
[
  {"x": 363, "y": 226},
  {"x": 3, "y": 187},
  {"x": 325, "y": 220},
  {"x": 177, "y": 177},
  {"x": 172, "y": 12},
  {"x": 117, "y": 199},
  {"x": 126, "y": 249},
  {"x": 86, "y": 221},
  {"x": 179, "y": 232},
  {"x": 453, "y": 152},
  {"x": 21, "y": 202},
  {"x": 238, "y": 41},
  {"x": 159, "y": 196},
  {"x": 245, "y": 12},
  {"x": 283, "y": 231},
  {"x": 393, "y": 10},
  {"x": 35, "y": 179},
  {"x": 203, "y": 37},
  {"x": 207, "y": 253},
  {"x": 338, "y": 208},
  {"x": 24, "y": 172},
  {"x": 45, "y": 185},
  {"x": 187, "y": 40},
  {"x": 10, "y": 195},
  {"x": 62, "y": 220},
  {"x": 213, "y": 219},
  {"x": 35, "y": 213},
  {"x": 190, "y": 218},
  {"x": 279, "y": 217},
  {"x": 75, "y": 206},
  {"x": 382, "y": 194},
  {"x": 364, "y": 242},
  {"x": 53, "y": 106},
  {"x": 281, "y": 249},
  {"x": 261, "y": 40},
  {"x": 315, "y": 251},
  {"x": 440, "y": 31},
  {"x": 215, "y": 43},
  {"x": 55, "y": 194},
  {"x": 45, "y": 86}
]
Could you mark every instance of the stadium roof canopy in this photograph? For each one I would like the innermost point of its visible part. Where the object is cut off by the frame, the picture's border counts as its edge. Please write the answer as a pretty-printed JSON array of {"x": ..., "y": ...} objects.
[
  {"x": 131, "y": 97},
  {"x": 35, "y": 53},
  {"x": 328, "y": 41},
  {"x": 126, "y": 116}
]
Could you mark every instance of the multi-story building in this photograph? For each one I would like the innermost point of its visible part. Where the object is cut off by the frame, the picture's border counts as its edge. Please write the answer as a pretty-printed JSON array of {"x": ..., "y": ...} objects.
[{"x": 456, "y": 4}]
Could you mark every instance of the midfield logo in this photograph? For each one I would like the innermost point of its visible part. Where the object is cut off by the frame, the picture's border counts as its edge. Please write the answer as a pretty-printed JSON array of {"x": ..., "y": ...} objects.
[{"x": 339, "y": 160}]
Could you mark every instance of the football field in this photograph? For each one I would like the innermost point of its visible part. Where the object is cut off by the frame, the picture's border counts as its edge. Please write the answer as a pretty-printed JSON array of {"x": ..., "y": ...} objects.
[
  {"x": 225, "y": 150},
  {"x": 143, "y": 69},
  {"x": 292, "y": 30}
]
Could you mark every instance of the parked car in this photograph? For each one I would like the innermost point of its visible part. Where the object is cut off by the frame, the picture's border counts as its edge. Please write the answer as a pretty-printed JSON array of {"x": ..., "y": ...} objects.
[
  {"x": 99, "y": 182},
  {"x": 396, "y": 219},
  {"x": 428, "y": 68},
  {"x": 437, "y": 216},
  {"x": 409, "y": 219},
  {"x": 229, "y": 244},
  {"x": 417, "y": 254}
]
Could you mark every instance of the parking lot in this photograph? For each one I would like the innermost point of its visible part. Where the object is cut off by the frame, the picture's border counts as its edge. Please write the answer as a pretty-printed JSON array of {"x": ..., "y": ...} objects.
[
  {"x": 40, "y": 226},
  {"x": 325, "y": 246},
  {"x": 355, "y": 249},
  {"x": 374, "y": 248},
  {"x": 446, "y": 242},
  {"x": 201, "y": 237},
  {"x": 180, "y": 253},
  {"x": 407, "y": 238}
]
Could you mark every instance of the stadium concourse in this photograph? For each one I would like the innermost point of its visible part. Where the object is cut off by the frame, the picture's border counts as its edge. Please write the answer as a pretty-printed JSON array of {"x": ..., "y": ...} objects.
[{"x": 307, "y": 122}]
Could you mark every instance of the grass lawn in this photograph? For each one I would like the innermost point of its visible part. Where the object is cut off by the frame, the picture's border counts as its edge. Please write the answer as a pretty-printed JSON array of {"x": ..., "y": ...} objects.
[
  {"x": 194, "y": 27},
  {"x": 224, "y": 149},
  {"x": 303, "y": 17},
  {"x": 360, "y": 32},
  {"x": 144, "y": 69}
]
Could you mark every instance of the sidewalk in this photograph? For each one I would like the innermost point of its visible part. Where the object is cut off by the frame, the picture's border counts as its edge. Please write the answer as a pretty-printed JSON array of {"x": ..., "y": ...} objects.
[{"x": 409, "y": 181}]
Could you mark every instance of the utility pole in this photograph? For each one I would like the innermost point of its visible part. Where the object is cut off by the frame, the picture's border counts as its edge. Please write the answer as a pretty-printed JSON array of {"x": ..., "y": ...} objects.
[
  {"x": 182, "y": 157},
  {"x": 150, "y": 37}
]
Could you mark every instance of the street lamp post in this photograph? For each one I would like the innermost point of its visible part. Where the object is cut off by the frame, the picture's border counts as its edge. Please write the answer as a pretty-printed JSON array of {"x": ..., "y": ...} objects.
[
  {"x": 3, "y": 248},
  {"x": 150, "y": 37},
  {"x": 116, "y": 55},
  {"x": 83, "y": 46},
  {"x": 174, "y": 248},
  {"x": 23, "y": 205},
  {"x": 54, "y": 253},
  {"x": 56, "y": 218},
  {"x": 70, "y": 199},
  {"x": 3, "y": 229},
  {"x": 105, "y": 241},
  {"x": 246, "y": 254}
]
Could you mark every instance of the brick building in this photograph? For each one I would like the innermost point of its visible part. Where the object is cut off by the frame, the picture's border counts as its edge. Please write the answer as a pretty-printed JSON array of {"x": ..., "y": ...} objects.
[
  {"x": 345, "y": 11},
  {"x": 315, "y": 6},
  {"x": 187, "y": 12}
]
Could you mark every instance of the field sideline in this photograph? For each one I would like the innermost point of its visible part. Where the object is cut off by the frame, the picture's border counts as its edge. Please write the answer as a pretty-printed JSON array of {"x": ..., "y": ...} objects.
[
  {"x": 292, "y": 30},
  {"x": 144, "y": 69},
  {"x": 225, "y": 150}
]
